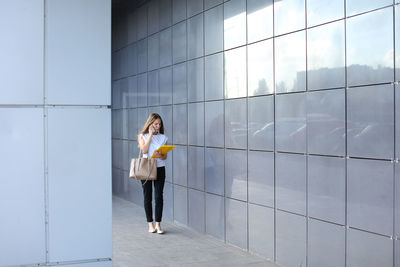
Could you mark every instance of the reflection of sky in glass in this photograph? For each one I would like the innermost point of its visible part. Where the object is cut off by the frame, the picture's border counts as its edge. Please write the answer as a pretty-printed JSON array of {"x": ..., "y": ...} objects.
[
  {"x": 289, "y": 16},
  {"x": 235, "y": 73},
  {"x": 259, "y": 19},
  {"x": 370, "y": 47},
  {"x": 358, "y": 6},
  {"x": 320, "y": 11},
  {"x": 290, "y": 62},
  {"x": 234, "y": 23},
  {"x": 325, "y": 56},
  {"x": 260, "y": 70}
]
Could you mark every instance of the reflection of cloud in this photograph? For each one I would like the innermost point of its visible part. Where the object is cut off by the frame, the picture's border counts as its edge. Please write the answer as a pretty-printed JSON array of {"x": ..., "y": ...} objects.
[{"x": 388, "y": 57}]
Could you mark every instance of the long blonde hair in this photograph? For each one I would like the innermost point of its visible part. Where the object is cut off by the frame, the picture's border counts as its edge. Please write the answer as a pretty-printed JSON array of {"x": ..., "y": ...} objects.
[{"x": 152, "y": 117}]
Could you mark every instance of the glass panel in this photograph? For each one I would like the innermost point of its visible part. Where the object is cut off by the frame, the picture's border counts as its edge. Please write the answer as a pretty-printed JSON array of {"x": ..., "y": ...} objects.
[
  {"x": 196, "y": 124},
  {"x": 196, "y": 210},
  {"x": 180, "y": 204},
  {"x": 322, "y": 11},
  {"x": 359, "y": 6},
  {"x": 236, "y": 123},
  {"x": 261, "y": 123},
  {"x": 153, "y": 96},
  {"x": 370, "y": 195},
  {"x": 165, "y": 76},
  {"x": 178, "y": 10},
  {"x": 325, "y": 56},
  {"x": 291, "y": 182},
  {"x": 143, "y": 113},
  {"x": 180, "y": 124},
  {"x": 326, "y": 188},
  {"x": 368, "y": 250},
  {"x": 370, "y": 48},
  {"x": 213, "y": 76},
  {"x": 179, "y": 83},
  {"x": 235, "y": 73},
  {"x": 132, "y": 92},
  {"x": 211, "y": 3},
  {"x": 168, "y": 207},
  {"x": 213, "y": 30},
  {"x": 234, "y": 23},
  {"x": 194, "y": 7},
  {"x": 397, "y": 48},
  {"x": 397, "y": 199},
  {"x": 195, "y": 36},
  {"x": 370, "y": 122},
  {"x": 261, "y": 178},
  {"x": 116, "y": 94},
  {"x": 141, "y": 22},
  {"x": 290, "y": 130},
  {"x": 132, "y": 59},
  {"x": 123, "y": 64},
  {"x": 259, "y": 19},
  {"x": 236, "y": 174},
  {"x": 166, "y": 115},
  {"x": 124, "y": 88},
  {"x": 215, "y": 212},
  {"x": 326, "y": 122},
  {"x": 165, "y": 14},
  {"x": 196, "y": 167},
  {"x": 180, "y": 160},
  {"x": 153, "y": 11},
  {"x": 132, "y": 125},
  {"x": 179, "y": 42},
  {"x": 261, "y": 231},
  {"x": 195, "y": 80},
  {"x": 326, "y": 244},
  {"x": 290, "y": 239},
  {"x": 261, "y": 68},
  {"x": 142, "y": 90},
  {"x": 142, "y": 55},
  {"x": 397, "y": 118},
  {"x": 236, "y": 222},
  {"x": 165, "y": 48},
  {"x": 214, "y": 170},
  {"x": 214, "y": 124},
  {"x": 290, "y": 63},
  {"x": 293, "y": 9}
]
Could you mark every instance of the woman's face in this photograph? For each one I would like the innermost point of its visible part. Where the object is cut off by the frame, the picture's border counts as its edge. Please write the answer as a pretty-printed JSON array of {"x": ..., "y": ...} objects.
[{"x": 156, "y": 125}]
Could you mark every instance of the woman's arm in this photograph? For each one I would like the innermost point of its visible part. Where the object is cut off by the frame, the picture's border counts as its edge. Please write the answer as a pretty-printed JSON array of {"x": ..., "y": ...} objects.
[{"x": 144, "y": 145}]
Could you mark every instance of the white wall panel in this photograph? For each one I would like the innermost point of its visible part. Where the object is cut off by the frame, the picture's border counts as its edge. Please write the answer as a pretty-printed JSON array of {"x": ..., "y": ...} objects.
[
  {"x": 21, "y": 51},
  {"x": 22, "y": 220},
  {"x": 79, "y": 152},
  {"x": 78, "y": 60}
]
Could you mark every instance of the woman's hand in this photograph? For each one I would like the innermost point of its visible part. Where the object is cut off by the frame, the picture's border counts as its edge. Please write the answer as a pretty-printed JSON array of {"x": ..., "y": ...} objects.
[
  {"x": 159, "y": 155},
  {"x": 152, "y": 130}
]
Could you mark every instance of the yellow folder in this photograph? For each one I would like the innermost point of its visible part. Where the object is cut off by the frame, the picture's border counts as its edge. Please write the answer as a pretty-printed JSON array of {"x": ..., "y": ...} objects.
[{"x": 164, "y": 149}]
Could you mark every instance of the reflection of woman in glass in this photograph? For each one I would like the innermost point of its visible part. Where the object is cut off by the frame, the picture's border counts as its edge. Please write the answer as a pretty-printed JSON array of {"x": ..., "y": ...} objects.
[{"x": 150, "y": 138}]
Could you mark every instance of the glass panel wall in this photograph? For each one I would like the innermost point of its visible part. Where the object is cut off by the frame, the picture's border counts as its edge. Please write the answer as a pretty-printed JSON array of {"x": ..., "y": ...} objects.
[{"x": 282, "y": 111}]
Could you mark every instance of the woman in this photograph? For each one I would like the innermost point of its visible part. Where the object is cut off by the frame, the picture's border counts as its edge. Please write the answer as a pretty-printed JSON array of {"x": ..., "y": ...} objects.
[{"x": 150, "y": 138}]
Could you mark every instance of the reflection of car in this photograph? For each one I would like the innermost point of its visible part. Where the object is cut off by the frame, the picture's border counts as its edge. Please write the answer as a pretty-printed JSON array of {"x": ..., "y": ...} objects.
[
  {"x": 264, "y": 130},
  {"x": 370, "y": 137}
]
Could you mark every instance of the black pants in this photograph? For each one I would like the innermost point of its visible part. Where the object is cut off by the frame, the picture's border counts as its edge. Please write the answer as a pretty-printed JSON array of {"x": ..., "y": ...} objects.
[{"x": 158, "y": 195}]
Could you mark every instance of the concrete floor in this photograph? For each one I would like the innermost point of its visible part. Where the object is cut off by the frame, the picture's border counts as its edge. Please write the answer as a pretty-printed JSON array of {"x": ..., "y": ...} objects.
[{"x": 179, "y": 246}]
